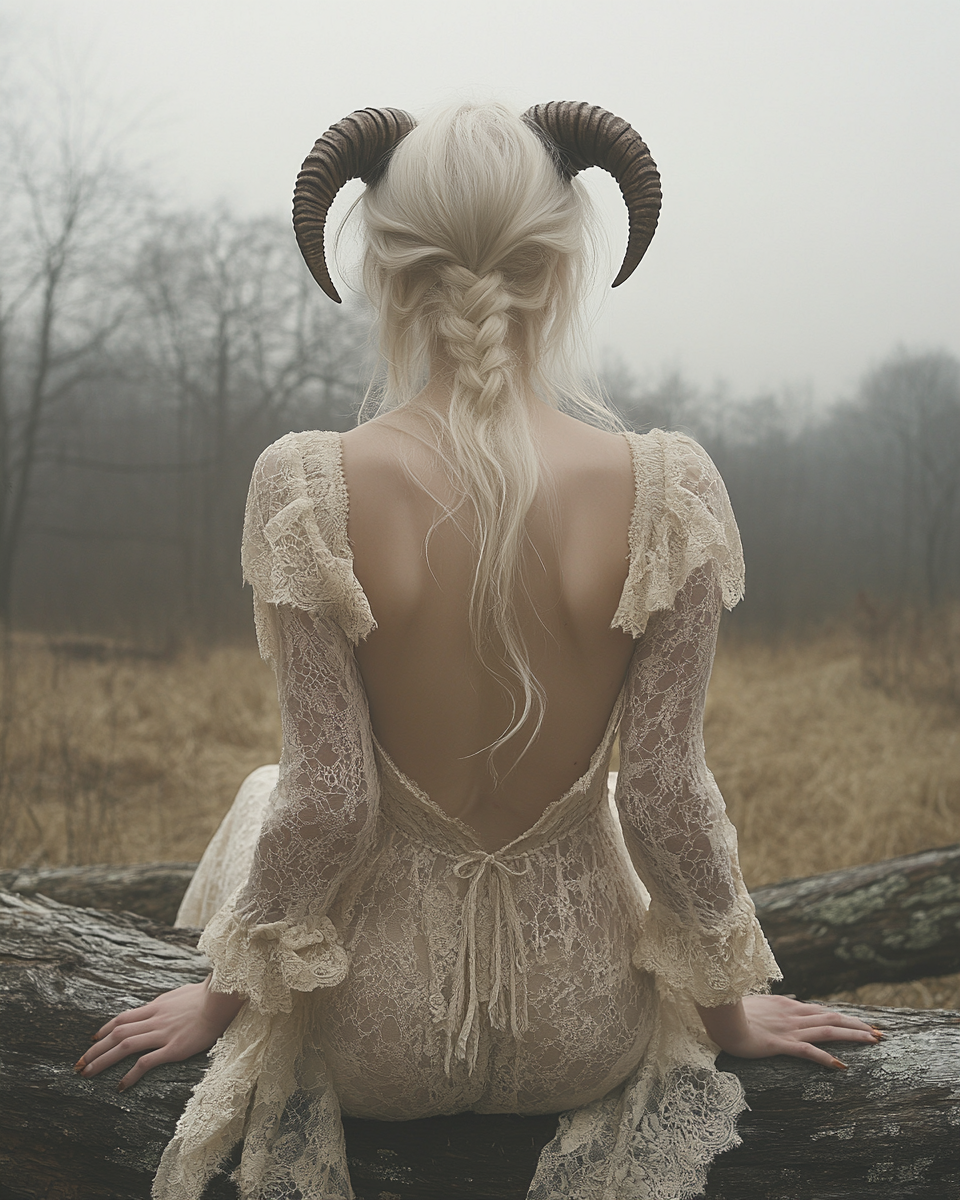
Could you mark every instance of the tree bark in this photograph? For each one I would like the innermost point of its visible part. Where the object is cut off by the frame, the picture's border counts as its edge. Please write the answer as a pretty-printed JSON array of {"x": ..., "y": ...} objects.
[
  {"x": 883, "y": 1130},
  {"x": 886, "y": 922},
  {"x": 151, "y": 890}
]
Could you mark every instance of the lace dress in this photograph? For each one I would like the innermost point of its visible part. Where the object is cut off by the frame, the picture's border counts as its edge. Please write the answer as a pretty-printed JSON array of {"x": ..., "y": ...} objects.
[{"x": 394, "y": 968}]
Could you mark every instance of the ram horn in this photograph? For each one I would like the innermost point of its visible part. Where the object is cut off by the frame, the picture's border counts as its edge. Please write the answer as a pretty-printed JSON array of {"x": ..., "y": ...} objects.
[
  {"x": 357, "y": 146},
  {"x": 584, "y": 135}
]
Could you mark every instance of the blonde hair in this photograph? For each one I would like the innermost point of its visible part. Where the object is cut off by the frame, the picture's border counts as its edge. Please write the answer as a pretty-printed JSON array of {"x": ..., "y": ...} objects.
[{"x": 477, "y": 250}]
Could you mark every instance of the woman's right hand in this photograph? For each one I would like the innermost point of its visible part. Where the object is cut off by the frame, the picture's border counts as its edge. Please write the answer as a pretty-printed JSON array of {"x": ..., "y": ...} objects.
[
  {"x": 173, "y": 1027},
  {"x": 762, "y": 1026}
]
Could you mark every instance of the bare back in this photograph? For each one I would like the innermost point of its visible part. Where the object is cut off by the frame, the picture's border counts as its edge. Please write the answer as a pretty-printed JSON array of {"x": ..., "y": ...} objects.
[{"x": 434, "y": 707}]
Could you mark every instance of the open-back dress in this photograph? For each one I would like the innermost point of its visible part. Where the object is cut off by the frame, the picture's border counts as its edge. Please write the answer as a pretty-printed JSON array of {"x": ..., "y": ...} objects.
[{"x": 394, "y": 968}]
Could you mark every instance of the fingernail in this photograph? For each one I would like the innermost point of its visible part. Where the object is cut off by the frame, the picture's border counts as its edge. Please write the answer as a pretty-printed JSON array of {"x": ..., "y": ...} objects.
[
  {"x": 839, "y": 1064},
  {"x": 80, "y": 1064},
  {"x": 877, "y": 1030},
  {"x": 121, "y": 1086}
]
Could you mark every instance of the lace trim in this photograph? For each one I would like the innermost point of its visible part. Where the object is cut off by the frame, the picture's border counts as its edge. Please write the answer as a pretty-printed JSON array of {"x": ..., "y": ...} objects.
[
  {"x": 655, "y": 1137},
  {"x": 213, "y": 1120},
  {"x": 713, "y": 966},
  {"x": 285, "y": 557},
  {"x": 267, "y": 962},
  {"x": 681, "y": 520},
  {"x": 245, "y": 1094}
]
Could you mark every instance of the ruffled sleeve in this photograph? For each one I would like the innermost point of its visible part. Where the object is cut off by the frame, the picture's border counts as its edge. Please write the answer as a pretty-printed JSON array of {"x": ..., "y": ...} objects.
[
  {"x": 270, "y": 961},
  {"x": 273, "y": 936},
  {"x": 700, "y": 936},
  {"x": 682, "y": 519},
  {"x": 285, "y": 557},
  {"x": 715, "y": 963},
  {"x": 275, "y": 940}
]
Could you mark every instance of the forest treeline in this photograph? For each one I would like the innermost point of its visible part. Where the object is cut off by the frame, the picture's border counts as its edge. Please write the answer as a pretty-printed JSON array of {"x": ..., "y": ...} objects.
[
  {"x": 148, "y": 356},
  {"x": 857, "y": 503}
]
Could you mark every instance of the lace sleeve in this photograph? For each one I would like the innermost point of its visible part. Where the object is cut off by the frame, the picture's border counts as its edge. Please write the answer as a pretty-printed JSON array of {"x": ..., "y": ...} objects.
[
  {"x": 274, "y": 935},
  {"x": 682, "y": 519},
  {"x": 286, "y": 558},
  {"x": 701, "y": 935}
]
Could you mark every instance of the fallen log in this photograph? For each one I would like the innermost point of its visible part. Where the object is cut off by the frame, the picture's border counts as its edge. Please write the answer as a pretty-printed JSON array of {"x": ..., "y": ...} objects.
[
  {"x": 883, "y": 1130},
  {"x": 152, "y": 890},
  {"x": 887, "y": 922}
]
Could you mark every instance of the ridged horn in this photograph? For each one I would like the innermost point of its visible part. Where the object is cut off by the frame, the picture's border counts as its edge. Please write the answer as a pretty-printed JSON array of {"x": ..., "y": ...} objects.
[
  {"x": 357, "y": 146},
  {"x": 587, "y": 136}
]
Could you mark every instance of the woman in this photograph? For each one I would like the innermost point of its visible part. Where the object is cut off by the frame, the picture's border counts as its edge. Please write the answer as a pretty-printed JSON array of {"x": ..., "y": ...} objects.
[{"x": 477, "y": 591}]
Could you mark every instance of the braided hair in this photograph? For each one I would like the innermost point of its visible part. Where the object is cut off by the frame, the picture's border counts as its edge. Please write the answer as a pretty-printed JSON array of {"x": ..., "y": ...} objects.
[{"x": 476, "y": 251}]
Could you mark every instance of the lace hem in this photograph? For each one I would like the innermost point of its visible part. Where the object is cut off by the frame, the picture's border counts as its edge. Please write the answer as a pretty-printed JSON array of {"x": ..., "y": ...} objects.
[
  {"x": 270, "y": 961},
  {"x": 713, "y": 966},
  {"x": 287, "y": 1150},
  {"x": 213, "y": 1120},
  {"x": 682, "y": 519},
  {"x": 654, "y": 1138},
  {"x": 285, "y": 557}
]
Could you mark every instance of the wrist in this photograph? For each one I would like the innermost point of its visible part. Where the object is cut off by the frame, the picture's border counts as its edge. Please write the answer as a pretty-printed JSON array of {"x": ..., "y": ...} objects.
[
  {"x": 726, "y": 1024},
  {"x": 220, "y": 1008}
]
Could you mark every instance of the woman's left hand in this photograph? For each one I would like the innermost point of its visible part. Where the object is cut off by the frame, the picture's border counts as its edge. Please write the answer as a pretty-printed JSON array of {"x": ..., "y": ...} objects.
[
  {"x": 173, "y": 1027},
  {"x": 762, "y": 1026}
]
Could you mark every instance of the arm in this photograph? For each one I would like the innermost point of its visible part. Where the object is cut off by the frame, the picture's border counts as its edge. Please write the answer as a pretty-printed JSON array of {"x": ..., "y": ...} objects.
[
  {"x": 702, "y": 936},
  {"x": 273, "y": 937},
  {"x": 673, "y": 818},
  {"x": 324, "y": 807}
]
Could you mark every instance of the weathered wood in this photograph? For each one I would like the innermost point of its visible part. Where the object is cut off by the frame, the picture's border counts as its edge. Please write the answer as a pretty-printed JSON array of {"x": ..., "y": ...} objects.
[
  {"x": 886, "y": 922},
  {"x": 886, "y": 1129},
  {"x": 152, "y": 890},
  {"x": 890, "y": 921},
  {"x": 64, "y": 972}
]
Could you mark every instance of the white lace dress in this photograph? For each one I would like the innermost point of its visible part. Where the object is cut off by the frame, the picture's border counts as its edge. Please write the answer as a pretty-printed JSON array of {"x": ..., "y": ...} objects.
[{"x": 394, "y": 968}]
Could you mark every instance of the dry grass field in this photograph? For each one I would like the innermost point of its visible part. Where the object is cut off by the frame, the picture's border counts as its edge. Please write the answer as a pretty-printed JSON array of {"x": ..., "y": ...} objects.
[
  {"x": 826, "y": 757},
  {"x": 822, "y": 768}
]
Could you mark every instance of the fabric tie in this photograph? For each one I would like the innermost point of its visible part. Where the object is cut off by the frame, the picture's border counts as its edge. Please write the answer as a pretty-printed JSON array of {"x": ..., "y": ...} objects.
[{"x": 507, "y": 969}]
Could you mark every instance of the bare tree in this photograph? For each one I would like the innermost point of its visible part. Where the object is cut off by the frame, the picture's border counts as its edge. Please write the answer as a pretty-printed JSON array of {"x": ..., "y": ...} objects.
[
  {"x": 63, "y": 204},
  {"x": 240, "y": 347},
  {"x": 909, "y": 417},
  {"x": 671, "y": 402}
]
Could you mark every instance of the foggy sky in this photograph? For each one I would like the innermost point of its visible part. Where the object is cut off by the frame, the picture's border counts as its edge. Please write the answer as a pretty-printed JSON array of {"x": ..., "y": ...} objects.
[{"x": 808, "y": 148}]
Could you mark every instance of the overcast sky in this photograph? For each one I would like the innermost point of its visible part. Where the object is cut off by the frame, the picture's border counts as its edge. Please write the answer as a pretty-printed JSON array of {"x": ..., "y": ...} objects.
[{"x": 809, "y": 150}]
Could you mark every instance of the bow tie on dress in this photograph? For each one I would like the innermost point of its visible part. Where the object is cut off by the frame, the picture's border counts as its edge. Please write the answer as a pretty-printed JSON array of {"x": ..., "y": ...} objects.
[{"x": 507, "y": 968}]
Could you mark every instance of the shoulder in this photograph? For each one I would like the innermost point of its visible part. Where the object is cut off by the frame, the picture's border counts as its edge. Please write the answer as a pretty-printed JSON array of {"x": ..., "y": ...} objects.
[
  {"x": 293, "y": 455},
  {"x": 375, "y": 453},
  {"x": 682, "y": 520},
  {"x": 665, "y": 458},
  {"x": 676, "y": 480},
  {"x": 295, "y": 550},
  {"x": 304, "y": 468},
  {"x": 584, "y": 455}
]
